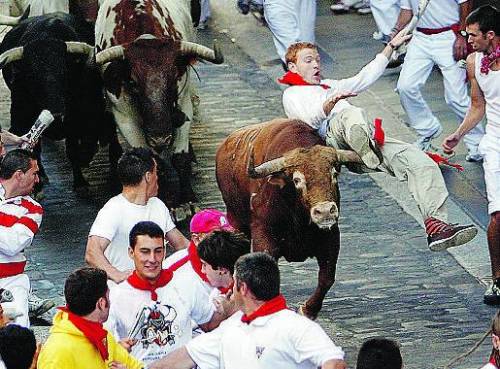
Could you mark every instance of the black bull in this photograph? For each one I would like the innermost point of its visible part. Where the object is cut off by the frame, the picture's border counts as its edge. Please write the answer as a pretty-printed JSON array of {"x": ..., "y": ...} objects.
[
  {"x": 289, "y": 203},
  {"x": 45, "y": 63}
]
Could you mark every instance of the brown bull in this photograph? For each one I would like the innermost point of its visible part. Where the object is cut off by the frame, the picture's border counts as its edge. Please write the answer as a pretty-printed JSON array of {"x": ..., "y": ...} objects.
[{"x": 289, "y": 203}]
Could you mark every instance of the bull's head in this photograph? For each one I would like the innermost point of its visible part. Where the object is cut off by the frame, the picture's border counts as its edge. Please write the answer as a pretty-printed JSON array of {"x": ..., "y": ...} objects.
[
  {"x": 45, "y": 68},
  {"x": 152, "y": 72},
  {"x": 313, "y": 173}
]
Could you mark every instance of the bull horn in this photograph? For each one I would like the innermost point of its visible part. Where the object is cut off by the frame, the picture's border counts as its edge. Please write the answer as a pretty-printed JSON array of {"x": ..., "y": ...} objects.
[
  {"x": 110, "y": 54},
  {"x": 266, "y": 168},
  {"x": 215, "y": 56},
  {"x": 74, "y": 47},
  {"x": 6, "y": 20},
  {"x": 348, "y": 156},
  {"x": 11, "y": 55}
]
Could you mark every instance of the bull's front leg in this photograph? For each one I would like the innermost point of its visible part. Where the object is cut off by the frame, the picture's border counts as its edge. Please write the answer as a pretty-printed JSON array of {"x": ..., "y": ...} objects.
[{"x": 328, "y": 252}]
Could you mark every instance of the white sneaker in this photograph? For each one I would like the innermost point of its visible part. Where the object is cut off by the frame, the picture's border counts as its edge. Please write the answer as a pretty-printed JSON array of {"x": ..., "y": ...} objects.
[
  {"x": 38, "y": 306},
  {"x": 377, "y": 35},
  {"x": 363, "y": 7},
  {"x": 473, "y": 155},
  {"x": 424, "y": 142},
  {"x": 344, "y": 5}
]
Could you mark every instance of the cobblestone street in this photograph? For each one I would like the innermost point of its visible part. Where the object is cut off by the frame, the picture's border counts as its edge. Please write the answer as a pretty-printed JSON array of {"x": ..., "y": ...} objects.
[{"x": 388, "y": 282}]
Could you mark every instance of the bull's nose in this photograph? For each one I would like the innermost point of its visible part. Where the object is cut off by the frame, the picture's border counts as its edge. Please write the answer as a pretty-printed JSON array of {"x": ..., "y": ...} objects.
[{"x": 325, "y": 214}]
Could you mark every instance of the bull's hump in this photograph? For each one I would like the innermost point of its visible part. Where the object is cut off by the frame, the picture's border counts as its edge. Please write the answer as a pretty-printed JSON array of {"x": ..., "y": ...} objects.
[{"x": 122, "y": 21}]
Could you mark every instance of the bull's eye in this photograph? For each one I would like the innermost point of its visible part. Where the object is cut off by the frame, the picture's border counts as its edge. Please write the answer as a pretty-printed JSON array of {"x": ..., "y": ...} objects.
[{"x": 296, "y": 181}]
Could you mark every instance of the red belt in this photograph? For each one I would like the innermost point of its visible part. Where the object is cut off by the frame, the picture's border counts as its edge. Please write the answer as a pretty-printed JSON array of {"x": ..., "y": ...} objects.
[
  {"x": 12, "y": 269},
  {"x": 435, "y": 31}
]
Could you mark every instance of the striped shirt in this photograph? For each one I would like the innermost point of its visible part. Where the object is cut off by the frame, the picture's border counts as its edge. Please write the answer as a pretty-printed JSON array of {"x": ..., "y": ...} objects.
[{"x": 20, "y": 219}]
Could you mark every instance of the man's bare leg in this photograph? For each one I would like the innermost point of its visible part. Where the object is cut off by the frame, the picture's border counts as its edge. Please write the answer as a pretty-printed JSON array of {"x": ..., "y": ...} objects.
[{"x": 492, "y": 295}]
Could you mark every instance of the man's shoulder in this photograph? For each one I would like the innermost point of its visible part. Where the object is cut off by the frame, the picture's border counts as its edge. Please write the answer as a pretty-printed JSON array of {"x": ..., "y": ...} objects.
[
  {"x": 155, "y": 201},
  {"x": 117, "y": 200},
  {"x": 174, "y": 258}
]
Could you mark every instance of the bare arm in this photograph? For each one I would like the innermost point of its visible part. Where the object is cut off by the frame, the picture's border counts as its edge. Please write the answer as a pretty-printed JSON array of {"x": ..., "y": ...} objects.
[
  {"x": 94, "y": 256},
  {"x": 475, "y": 112},
  {"x": 404, "y": 18},
  {"x": 460, "y": 45},
  {"x": 217, "y": 318},
  {"x": 11, "y": 139},
  {"x": 177, "y": 239},
  {"x": 334, "y": 364},
  {"x": 178, "y": 359}
]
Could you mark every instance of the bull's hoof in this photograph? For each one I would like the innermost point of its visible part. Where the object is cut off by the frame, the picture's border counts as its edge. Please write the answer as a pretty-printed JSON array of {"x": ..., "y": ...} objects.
[{"x": 302, "y": 310}]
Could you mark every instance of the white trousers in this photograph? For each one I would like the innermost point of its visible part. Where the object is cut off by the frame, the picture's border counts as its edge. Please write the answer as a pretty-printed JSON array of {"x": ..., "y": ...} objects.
[
  {"x": 19, "y": 286},
  {"x": 205, "y": 10},
  {"x": 400, "y": 159},
  {"x": 490, "y": 149},
  {"x": 425, "y": 51},
  {"x": 290, "y": 21},
  {"x": 385, "y": 13}
]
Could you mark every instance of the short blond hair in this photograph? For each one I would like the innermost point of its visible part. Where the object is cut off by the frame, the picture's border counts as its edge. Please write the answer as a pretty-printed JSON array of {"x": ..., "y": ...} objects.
[{"x": 294, "y": 49}]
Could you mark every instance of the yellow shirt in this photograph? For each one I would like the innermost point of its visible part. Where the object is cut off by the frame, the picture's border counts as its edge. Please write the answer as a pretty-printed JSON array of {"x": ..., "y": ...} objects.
[{"x": 68, "y": 348}]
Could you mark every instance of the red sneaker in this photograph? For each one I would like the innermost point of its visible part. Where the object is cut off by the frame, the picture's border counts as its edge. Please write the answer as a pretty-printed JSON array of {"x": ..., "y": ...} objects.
[{"x": 441, "y": 235}]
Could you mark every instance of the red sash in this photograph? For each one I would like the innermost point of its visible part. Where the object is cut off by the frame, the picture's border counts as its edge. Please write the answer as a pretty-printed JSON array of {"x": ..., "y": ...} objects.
[
  {"x": 12, "y": 269},
  {"x": 272, "y": 306},
  {"x": 141, "y": 284},
  {"x": 294, "y": 79},
  {"x": 93, "y": 331}
]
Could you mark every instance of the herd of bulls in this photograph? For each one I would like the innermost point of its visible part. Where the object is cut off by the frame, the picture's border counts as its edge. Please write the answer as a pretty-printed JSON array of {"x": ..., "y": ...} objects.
[{"x": 129, "y": 68}]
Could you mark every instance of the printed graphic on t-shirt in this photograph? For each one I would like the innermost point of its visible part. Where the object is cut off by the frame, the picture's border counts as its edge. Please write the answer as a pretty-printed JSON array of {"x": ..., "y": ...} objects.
[
  {"x": 259, "y": 350},
  {"x": 155, "y": 325}
]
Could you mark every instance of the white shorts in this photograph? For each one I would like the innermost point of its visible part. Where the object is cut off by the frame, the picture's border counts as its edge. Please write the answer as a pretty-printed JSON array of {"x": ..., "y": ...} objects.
[
  {"x": 490, "y": 149},
  {"x": 19, "y": 286}
]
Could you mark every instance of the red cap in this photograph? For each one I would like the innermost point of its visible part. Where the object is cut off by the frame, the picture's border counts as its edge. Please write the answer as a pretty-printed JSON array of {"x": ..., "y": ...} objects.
[{"x": 208, "y": 220}]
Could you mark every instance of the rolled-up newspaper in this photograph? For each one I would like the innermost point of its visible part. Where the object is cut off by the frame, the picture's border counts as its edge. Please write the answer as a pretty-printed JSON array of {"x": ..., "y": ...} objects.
[{"x": 42, "y": 122}]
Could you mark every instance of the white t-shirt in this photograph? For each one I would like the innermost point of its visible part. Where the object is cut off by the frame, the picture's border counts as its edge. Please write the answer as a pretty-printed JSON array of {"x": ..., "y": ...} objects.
[
  {"x": 306, "y": 102},
  {"x": 115, "y": 221},
  {"x": 160, "y": 326},
  {"x": 280, "y": 340},
  {"x": 489, "y": 366},
  {"x": 438, "y": 14}
]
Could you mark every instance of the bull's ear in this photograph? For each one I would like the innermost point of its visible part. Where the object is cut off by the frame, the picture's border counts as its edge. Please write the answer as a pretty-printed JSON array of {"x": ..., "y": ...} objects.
[
  {"x": 277, "y": 180},
  {"x": 114, "y": 75}
]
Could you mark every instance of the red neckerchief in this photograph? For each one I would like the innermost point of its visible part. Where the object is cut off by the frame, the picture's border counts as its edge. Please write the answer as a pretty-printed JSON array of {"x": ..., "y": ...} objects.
[
  {"x": 225, "y": 290},
  {"x": 488, "y": 59},
  {"x": 136, "y": 282},
  {"x": 195, "y": 260},
  {"x": 93, "y": 331},
  {"x": 294, "y": 79},
  {"x": 272, "y": 306}
]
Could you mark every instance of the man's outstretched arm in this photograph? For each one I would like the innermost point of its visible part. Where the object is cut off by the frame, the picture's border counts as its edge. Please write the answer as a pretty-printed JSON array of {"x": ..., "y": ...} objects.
[{"x": 178, "y": 359}]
